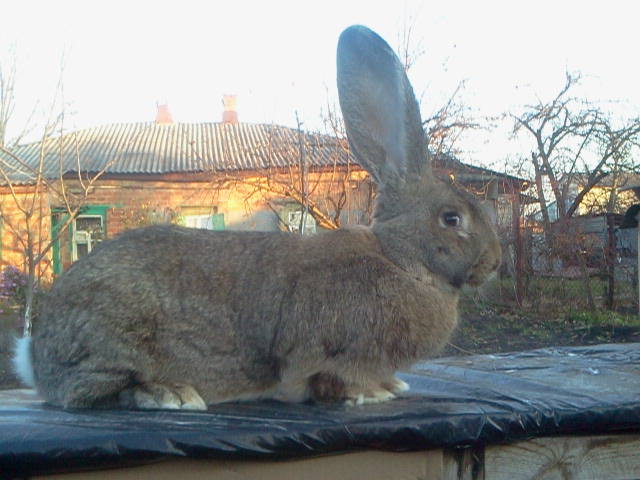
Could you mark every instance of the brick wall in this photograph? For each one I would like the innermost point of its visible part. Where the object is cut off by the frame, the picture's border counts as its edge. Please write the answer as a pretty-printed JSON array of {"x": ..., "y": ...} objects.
[
  {"x": 15, "y": 225},
  {"x": 135, "y": 202}
]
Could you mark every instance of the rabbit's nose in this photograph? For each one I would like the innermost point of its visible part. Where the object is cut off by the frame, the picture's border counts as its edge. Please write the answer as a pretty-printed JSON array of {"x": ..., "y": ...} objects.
[{"x": 460, "y": 279}]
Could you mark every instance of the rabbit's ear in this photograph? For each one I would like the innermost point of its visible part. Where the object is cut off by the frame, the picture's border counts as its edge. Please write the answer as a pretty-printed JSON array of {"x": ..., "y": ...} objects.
[{"x": 380, "y": 111}]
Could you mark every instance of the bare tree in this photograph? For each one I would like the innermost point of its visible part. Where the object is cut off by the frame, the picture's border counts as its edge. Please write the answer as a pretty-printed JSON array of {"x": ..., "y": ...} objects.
[
  {"x": 31, "y": 193},
  {"x": 8, "y": 73},
  {"x": 574, "y": 146},
  {"x": 311, "y": 170},
  {"x": 29, "y": 189},
  {"x": 328, "y": 192},
  {"x": 409, "y": 50},
  {"x": 446, "y": 124},
  {"x": 7, "y": 96}
]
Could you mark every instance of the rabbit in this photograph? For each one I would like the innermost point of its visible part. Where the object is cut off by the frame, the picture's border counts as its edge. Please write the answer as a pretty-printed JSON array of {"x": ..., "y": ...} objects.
[{"x": 167, "y": 317}]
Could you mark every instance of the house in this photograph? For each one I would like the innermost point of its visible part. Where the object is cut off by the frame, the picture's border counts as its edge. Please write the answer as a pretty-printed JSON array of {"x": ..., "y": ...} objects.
[
  {"x": 614, "y": 193},
  {"x": 92, "y": 184},
  {"x": 502, "y": 192},
  {"x": 616, "y": 189},
  {"x": 602, "y": 223}
]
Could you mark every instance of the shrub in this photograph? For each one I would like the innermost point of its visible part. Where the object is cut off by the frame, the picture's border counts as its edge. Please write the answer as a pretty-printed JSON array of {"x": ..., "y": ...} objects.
[{"x": 13, "y": 284}]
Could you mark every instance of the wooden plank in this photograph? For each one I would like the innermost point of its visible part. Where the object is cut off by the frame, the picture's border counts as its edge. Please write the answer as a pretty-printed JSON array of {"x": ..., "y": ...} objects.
[
  {"x": 369, "y": 465},
  {"x": 463, "y": 464},
  {"x": 611, "y": 457}
]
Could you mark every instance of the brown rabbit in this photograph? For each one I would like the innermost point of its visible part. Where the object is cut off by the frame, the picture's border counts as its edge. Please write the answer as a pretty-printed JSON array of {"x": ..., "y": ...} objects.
[{"x": 171, "y": 317}]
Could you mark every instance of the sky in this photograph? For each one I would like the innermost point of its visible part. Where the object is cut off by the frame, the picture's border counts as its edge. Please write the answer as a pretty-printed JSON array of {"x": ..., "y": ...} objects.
[{"x": 121, "y": 58}]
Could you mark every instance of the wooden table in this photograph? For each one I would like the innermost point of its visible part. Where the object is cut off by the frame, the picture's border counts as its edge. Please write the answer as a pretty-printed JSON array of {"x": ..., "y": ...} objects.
[{"x": 569, "y": 413}]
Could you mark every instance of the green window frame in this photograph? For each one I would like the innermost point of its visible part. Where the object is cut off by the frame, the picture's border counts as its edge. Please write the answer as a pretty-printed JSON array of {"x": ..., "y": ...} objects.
[{"x": 59, "y": 217}]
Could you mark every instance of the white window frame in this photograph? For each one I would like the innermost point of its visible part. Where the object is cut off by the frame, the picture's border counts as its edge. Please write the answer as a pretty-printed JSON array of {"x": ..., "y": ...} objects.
[
  {"x": 293, "y": 222},
  {"x": 83, "y": 235},
  {"x": 199, "y": 221}
]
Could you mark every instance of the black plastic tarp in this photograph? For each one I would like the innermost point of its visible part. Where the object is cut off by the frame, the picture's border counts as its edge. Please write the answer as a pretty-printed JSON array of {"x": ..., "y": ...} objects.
[{"x": 453, "y": 402}]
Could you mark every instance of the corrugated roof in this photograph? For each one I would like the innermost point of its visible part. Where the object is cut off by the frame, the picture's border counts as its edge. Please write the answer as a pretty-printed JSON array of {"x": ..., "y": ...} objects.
[
  {"x": 447, "y": 161},
  {"x": 133, "y": 148},
  {"x": 152, "y": 148}
]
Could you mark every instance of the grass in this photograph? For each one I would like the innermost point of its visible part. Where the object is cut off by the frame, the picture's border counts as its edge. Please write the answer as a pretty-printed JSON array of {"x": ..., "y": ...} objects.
[
  {"x": 554, "y": 313},
  {"x": 603, "y": 318},
  {"x": 549, "y": 295}
]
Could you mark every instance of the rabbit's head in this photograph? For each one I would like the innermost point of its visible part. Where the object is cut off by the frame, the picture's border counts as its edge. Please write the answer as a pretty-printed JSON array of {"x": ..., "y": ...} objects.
[{"x": 421, "y": 221}]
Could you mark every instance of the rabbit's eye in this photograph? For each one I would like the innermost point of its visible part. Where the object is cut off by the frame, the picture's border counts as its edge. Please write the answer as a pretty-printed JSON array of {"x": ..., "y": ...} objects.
[{"x": 451, "y": 219}]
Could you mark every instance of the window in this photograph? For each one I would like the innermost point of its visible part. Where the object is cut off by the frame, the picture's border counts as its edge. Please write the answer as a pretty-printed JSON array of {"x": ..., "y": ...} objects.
[
  {"x": 88, "y": 230},
  {"x": 202, "y": 217},
  {"x": 210, "y": 222},
  {"x": 294, "y": 220},
  {"x": 82, "y": 235}
]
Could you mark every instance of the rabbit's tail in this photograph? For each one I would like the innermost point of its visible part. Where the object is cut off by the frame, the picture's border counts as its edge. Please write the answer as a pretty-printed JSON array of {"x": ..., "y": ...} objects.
[{"x": 22, "y": 364}]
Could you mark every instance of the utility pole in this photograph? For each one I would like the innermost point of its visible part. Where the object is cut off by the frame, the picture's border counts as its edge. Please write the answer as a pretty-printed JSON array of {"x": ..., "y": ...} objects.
[
  {"x": 303, "y": 178},
  {"x": 611, "y": 258}
]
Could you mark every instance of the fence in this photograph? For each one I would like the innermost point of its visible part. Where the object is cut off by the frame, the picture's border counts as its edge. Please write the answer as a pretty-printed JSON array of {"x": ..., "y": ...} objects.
[{"x": 593, "y": 250}]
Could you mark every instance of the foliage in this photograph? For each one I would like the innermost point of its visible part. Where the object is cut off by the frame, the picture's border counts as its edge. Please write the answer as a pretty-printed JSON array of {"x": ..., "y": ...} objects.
[
  {"x": 13, "y": 284},
  {"x": 13, "y": 290}
]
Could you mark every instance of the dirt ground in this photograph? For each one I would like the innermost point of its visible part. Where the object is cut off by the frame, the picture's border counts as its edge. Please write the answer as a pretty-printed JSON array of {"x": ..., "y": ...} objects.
[
  {"x": 488, "y": 331},
  {"x": 498, "y": 332}
]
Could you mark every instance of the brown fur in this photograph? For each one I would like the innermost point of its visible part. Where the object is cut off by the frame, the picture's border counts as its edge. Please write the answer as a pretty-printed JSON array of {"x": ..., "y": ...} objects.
[
  {"x": 327, "y": 387},
  {"x": 242, "y": 315}
]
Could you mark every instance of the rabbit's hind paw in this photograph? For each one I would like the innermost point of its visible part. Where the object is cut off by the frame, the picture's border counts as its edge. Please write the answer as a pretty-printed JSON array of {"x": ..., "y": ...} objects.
[
  {"x": 328, "y": 387},
  {"x": 154, "y": 396},
  {"x": 369, "y": 397}
]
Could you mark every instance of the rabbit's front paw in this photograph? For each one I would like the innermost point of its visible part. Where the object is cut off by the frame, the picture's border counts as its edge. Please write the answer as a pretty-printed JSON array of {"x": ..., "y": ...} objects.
[
  {"x": 387, "y": 391},
  {"x": 191, "y": 400},
  {"x": 153, "y": 396},
  {"x": 395, "y": 385},
  {"x": 330, "y": 387}
]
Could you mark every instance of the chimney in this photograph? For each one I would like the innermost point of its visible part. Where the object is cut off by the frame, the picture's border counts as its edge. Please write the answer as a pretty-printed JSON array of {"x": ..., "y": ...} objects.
[
  {"x": 229, "y": 112},
  {"x": 163, "y": 115}
]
